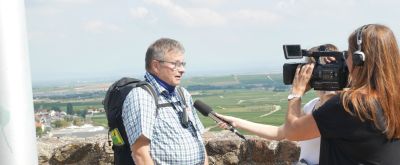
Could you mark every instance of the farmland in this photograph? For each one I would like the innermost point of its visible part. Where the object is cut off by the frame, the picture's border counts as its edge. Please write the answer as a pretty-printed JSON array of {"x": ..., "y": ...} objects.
[{"x": 260, "y": 98}]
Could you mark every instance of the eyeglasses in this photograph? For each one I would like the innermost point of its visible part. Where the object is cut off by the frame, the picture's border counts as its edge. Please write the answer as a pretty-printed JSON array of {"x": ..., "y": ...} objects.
[{"x": 176, "y": 64}]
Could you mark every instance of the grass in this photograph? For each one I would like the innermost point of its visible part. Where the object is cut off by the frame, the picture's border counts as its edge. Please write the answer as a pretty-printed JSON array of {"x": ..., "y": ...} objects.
[
  {"x": 249, "y": 105},
  {"x": 100, "y": 119},
  {"x": 246, "y": 104}
]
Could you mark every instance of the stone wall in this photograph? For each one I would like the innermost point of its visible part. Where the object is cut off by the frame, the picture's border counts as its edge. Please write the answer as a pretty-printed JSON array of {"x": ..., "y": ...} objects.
[{"x": 223, "y": 148}]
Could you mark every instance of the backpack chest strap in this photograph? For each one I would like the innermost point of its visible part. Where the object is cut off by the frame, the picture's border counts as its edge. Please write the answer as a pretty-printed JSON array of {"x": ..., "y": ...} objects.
[{"x": 164, "y": 105}]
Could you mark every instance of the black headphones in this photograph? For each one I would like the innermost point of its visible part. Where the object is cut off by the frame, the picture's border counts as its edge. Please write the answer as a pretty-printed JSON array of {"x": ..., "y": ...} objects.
[{"x": 358, "y": 55}]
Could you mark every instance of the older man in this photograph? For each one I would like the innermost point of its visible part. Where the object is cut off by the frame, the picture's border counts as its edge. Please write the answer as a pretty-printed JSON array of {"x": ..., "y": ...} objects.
[{"x": 170, "y": 132}]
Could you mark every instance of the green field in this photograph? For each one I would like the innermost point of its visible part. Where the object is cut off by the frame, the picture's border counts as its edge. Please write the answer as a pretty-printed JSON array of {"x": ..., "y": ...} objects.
[
  {"x": 253, "y": 105},
  {"x": 100, "y": 119},
  {"x": 246, "y": 104},
  {"x": 76, "y": 105}
]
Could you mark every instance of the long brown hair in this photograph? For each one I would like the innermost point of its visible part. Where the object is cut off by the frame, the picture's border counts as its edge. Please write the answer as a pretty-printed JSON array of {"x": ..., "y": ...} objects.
[{"x": 377, "y": 80}]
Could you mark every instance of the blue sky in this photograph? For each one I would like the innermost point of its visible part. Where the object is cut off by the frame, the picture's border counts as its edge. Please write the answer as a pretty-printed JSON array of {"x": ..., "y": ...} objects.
[{"x": 92, "y": 39}]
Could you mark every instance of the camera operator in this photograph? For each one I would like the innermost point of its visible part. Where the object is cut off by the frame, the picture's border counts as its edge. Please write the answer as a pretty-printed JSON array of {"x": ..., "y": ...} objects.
[
  {"x": 362, "y": 124},
  {"x": 309, "y": 153}
]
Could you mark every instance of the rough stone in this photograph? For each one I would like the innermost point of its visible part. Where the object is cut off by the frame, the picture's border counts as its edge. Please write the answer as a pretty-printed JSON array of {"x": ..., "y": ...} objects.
[{"x": 223, "y": 148}]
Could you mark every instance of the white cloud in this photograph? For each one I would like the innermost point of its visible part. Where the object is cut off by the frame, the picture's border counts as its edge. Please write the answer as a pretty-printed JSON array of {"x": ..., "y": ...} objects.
[
  {"x": 139, "y": 12},
  {"x": 191, "y": 16},
  {"x": 142, "y": 13},
  {"x": 255, "y": 16},
  {"x": 292, "y": 6},
  {"x": 285, "y": 4},
  {"x": 98, "y": 26},
  {"x": 199, "y": 17}
]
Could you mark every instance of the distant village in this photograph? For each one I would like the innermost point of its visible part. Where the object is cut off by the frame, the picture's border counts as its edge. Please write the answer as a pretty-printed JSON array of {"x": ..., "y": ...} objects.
[{"x": 48, "y": 119}]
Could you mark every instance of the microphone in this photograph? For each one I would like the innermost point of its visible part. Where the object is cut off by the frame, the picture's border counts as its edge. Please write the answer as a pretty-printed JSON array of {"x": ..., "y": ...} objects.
[{"x": 206, "y": 110}]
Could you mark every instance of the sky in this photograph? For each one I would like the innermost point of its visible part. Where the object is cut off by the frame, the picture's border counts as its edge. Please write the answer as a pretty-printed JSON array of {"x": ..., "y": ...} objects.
[{"x": 72, "y": 40}]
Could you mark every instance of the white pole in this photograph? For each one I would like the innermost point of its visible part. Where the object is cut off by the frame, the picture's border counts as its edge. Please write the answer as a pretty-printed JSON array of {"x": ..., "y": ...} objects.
[{"x": 17, "y": 129}]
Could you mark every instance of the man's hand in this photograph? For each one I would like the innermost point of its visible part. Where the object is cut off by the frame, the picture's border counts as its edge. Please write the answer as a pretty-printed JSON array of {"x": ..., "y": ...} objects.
[{"x": 206, "y": 159}]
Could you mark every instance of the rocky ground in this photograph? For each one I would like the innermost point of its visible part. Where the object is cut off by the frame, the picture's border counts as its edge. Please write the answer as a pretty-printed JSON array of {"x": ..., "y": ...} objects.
[
  {"x": 223, "y": 148},
  {"x": 56, "y": 150}
]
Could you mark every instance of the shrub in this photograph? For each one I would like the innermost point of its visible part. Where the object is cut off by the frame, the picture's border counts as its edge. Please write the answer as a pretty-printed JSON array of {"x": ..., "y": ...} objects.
[
  {"x": 78, "y": 121},
  {"x": 60, "y": 124}
]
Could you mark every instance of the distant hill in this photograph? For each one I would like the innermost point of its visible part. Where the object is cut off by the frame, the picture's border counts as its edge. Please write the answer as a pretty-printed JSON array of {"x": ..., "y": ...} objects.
[
  {"x": 269, "y": 81},
  {"x": 195, "y": 83}
]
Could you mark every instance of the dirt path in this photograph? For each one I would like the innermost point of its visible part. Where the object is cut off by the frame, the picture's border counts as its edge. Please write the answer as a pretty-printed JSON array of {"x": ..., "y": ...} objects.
[{"x": 277, "y": 108}]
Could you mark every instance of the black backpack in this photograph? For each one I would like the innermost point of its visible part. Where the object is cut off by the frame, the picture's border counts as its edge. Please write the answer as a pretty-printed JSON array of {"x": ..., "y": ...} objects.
[{"x": 113, "y": 103}]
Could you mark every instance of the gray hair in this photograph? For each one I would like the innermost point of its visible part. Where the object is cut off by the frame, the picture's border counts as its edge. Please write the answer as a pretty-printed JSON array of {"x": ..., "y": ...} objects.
[{"x": 160, "y": 48}]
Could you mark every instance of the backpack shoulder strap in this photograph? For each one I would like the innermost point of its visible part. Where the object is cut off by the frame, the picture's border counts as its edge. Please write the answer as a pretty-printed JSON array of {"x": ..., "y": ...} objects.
[
  {"x": 182, "y": 95},
  {"x": 185, "y": 117},
  {"x": 147, "y": 87}
]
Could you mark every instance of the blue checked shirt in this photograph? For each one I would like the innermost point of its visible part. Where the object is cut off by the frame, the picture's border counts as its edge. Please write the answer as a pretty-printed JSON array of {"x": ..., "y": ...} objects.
[{"x": 170, "y": 142}]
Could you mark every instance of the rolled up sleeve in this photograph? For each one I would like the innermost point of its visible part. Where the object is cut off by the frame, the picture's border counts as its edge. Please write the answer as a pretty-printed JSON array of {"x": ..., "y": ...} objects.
[{"x": 138, "y": 114}]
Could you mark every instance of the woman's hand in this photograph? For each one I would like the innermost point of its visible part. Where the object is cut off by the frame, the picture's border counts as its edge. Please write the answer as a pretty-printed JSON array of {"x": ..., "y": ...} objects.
[
  {"x": 329, "y": 59},
  {"x": 232, "y": 120},
  {"x": 301, "y": 79}
]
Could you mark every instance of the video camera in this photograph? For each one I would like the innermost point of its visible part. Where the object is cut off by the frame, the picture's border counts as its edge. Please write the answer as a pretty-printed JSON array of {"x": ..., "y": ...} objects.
[{"x": 328, "y": 77}]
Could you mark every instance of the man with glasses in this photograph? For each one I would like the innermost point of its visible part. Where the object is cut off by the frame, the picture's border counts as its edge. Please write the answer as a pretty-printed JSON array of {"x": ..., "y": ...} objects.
[{"x": 169, "y": 133}]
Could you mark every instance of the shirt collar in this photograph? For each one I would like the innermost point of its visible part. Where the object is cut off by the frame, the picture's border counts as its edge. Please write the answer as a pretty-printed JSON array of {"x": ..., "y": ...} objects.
[{"x": 160, "y": 86}]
